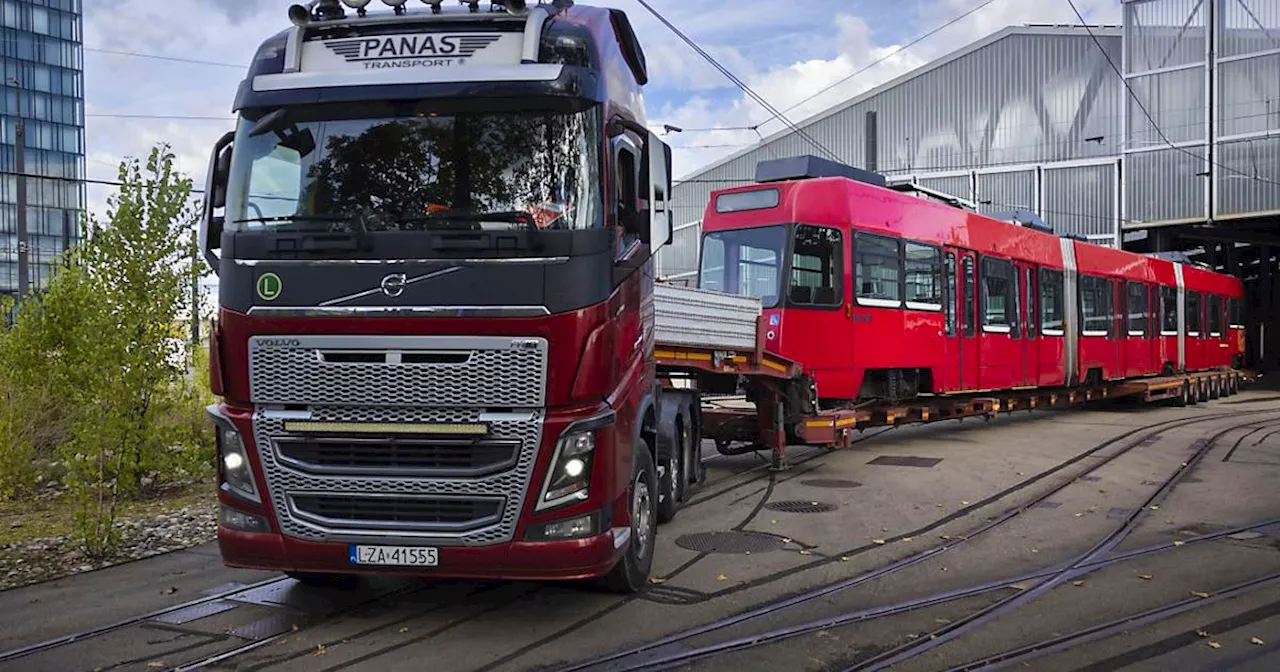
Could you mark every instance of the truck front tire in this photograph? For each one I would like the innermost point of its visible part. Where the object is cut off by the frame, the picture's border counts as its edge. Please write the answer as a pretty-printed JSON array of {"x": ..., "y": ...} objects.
[{"x": 631, "y": 574}]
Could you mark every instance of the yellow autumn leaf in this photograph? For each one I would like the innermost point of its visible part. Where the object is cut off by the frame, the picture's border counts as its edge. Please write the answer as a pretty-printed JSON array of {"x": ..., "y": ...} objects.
[
  {"x": 1202, "y": 633},
  {"x": 1199, "y": 593},
  {"x": 806, "y": 551},
  {"x": 1215, "y": 645},
  {"x": 964, "y": 503},
  {"x": 844, "y": 558},
  {"x": 722, "y": 577},
  {"x": 1077, "y": 583},
  {"x": 1079, "y": 515},
  {"x": 879, "y": 542},
  {"x": 1257, "y": 641},
  {"x": 405, "y": 629},
  {"x": 1145, "y": 577},
  {"x": 1178, "y": 542},
  {"x": 656, "y": 580},
  {"x": 907, "y": 538}
]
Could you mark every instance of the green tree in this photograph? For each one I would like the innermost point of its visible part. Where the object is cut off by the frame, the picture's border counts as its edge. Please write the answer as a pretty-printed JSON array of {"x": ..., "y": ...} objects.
[{"x": 99, "y": 343}]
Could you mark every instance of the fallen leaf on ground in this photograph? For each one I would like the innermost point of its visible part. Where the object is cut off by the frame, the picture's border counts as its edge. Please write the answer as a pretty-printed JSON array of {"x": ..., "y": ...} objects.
[
  {"x": 964, "y": 503},
  {"x": 844, "y": 558},
  {"x": 938, "y": 505},
  {"x": 946, "y": 537},
  {"x": 884, "y": 529},
  {"x": 786, "y": 540},
  {"x": 1215, "y": 645},
  {"x": 1202, "y": 633},
  {"x": 294, "y": 627},
  {"x": 879, "y": 542},
  {"x": 320, "y": 649},
  {"x": 1077, "y": 583},
  {"x": 1035, "y": 550},
  {"x": 722, "y": 577},
  {"x": 942, "y": 621},
  {"x": 1145, "y": 577},
  {"x": 404, "y": 629},
  {"x": 773, "y": 522},
  {"x": 652, "y": 580},
  {"x": 1199, "y": 593},
  {"x": 907, "y": 538},
  {"x": 1155, "y": 508},
  {"x": 806, "y": 551},
  {"x": 1079, "y": 515},
  {"x": 1178, "y": 542},
  {"x": 1257, "y": 641}
]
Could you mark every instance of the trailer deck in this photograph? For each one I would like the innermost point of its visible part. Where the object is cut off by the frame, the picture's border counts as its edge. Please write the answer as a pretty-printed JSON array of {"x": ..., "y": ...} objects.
[{"x": 734, "y": 354}]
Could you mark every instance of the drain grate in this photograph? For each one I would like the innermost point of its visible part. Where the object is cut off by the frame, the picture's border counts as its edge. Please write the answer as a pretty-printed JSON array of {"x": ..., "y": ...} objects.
[
  {"x": 905, "y": 461},
  {"x": 833, "y": 483},
  {"x": 730, "y": 542},
  {"x": 797, "y": 506}
]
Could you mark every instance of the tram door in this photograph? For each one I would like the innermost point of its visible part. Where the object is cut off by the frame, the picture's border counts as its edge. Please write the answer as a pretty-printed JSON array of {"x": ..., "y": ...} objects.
[
  {"x": 1027, "y": 318},
  {"x": 961, "y": 269}
]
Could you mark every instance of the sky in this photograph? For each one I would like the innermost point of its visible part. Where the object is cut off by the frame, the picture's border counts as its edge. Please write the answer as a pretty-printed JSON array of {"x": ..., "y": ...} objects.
[{"x": 139, "y": 53}]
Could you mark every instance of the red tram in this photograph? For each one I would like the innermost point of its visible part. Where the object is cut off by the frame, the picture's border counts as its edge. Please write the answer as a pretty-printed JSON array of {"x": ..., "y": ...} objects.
[{"x": 887, "y": 295}]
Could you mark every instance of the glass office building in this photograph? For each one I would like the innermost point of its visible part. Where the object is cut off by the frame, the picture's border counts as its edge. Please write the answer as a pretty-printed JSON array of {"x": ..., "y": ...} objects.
[{"x": 43, "y": 85}]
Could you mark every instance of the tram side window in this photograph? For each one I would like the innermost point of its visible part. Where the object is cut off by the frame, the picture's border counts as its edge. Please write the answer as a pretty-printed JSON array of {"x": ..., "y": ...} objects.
[
  {"x": 817, "y": 267},
  {"x": 1193, "y": 313},
  {"x": 1095, "y": 305},
  {"x": 923, "y": 266},
  {"x": 879, "y": 270},
  {"x": 1138, "y": 303},
  {"x": 949, "y": 287},
  {"x": 999, "y": 289},
  {"x": 1052, "y": 306},
  {"x": 1168, "y": 311},
  {"x": 1236, "y": 319},
  {"x": 1215, "y": 315},
  {"x": 970, "y": 291}
]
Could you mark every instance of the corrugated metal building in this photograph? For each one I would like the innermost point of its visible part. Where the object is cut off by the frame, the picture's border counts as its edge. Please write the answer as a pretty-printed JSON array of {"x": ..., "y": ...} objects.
[{"x": 1036, "y": 117}]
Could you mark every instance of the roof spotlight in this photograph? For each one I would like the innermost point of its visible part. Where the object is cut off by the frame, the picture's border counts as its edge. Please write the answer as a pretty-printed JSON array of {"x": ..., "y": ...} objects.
[
  {"x": 398, "y": 5},
  {"x": 435, "y": 5},
  {"x": 516, "y": 7},
  {"x": 327, "y": 10},
  {"x": 358, "y": 5},
  {"x": 473, "y": 5}
]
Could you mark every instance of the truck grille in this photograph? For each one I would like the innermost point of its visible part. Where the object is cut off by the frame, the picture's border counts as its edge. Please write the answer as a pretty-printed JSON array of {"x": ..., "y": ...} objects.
[
  {"x": 397, "y": 512},
  {"x": 399, "y": 371},
  {"x": 287, "y": 481},
  {"x": 398, "y": 457}
]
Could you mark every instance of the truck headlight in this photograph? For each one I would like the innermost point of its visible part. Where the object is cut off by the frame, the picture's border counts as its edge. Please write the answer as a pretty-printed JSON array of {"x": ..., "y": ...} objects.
[
  {"x": 233, "y": 461},
  {"x": 569, "y": 479}
]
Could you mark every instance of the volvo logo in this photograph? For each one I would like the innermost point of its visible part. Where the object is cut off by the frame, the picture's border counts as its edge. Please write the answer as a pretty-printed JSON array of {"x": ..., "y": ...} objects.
[
  {"x": 277, "y": 343},
  {"x": 393, "y": 285}
]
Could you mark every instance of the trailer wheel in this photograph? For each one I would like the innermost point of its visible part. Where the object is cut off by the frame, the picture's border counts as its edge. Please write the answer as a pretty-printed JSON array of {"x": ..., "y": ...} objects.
[
  {"x": 631, "y": 574},
  {"x": 674, "y": 475},
  {"x": 1184, "y": 395}
]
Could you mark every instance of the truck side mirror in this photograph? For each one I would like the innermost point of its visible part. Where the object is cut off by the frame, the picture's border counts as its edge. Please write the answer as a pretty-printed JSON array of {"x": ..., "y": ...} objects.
[
  {"x": 655, "y": 175},
  {"x": 215, "y": 198}
]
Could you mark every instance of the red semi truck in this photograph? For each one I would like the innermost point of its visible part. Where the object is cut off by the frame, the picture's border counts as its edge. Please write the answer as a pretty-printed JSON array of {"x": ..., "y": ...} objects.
[{"x": 434, "y": 232}]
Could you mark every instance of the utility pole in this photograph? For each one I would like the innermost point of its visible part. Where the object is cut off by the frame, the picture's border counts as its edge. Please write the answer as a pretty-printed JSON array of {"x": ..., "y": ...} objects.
[{"x": 21, "y": 149}]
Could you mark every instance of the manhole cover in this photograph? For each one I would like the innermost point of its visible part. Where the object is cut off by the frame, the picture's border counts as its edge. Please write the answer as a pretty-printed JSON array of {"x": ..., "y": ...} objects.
[
  {"x": 730, "y": 542},
  {"x": 798, "y": 506},
  {"x": 835, "y": 483}
]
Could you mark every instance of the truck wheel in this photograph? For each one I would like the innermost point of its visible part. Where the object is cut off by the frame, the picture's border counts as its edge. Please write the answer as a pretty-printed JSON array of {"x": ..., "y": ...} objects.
[
  {"x": 674, "y": 476},
  {"x": 631, "y": 574}
]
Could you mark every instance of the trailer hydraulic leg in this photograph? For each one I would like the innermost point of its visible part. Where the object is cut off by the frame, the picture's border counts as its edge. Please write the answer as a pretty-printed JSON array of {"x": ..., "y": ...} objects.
[{"x": 779, "y": 436}]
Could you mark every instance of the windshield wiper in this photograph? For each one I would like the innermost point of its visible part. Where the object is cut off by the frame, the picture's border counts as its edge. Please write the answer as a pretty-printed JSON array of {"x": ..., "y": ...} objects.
[
  {"x": 294, "y": 218},
  {"x": 317, "y": 240}
]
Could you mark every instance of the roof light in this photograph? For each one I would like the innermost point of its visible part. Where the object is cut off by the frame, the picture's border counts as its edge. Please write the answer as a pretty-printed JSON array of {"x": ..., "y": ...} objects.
[
  {"x": 358, "y": 5},
  {"x": 435, "y": 5},
  {"x": 398, "y": 5},
  {"x": 515, "y": 7},
  {"x": 473, "y": 5}
]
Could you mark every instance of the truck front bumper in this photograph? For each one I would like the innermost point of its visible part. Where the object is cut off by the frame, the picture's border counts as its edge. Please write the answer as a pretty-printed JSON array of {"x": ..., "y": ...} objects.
[{"x": 560, "y": 560}]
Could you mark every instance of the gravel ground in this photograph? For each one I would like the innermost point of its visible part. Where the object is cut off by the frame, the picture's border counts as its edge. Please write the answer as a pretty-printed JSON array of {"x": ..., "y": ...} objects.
[{"x": 35, "y": 560}]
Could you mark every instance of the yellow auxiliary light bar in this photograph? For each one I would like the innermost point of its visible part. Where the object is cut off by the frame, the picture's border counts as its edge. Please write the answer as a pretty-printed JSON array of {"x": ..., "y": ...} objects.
[{"x": 447, "y": 429}]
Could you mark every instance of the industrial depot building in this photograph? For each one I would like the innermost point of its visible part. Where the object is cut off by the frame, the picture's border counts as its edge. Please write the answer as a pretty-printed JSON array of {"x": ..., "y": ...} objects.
[{"x": 1035, "y": 117}]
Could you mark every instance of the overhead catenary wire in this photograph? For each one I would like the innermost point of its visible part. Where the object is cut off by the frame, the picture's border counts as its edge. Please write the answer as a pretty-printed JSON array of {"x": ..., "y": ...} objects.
[
  {"x": 737, "y": 82},
  {"x": 158, "y": 57}
]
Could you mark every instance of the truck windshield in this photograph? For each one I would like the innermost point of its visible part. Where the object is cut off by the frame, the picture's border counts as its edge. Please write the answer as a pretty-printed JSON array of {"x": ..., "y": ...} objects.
[
  {"x": 746, "y": 262},
  {"x": 406, "y": 167}
]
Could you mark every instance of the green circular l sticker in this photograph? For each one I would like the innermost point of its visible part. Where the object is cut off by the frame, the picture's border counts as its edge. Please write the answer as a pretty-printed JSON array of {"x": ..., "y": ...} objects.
[{"x": 269, "y": 286}]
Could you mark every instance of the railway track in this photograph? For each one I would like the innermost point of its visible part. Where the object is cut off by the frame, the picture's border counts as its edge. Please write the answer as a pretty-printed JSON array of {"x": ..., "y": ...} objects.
[
  {"x": 1130, "y": 440},
  {"x": 649, "y": 656}
]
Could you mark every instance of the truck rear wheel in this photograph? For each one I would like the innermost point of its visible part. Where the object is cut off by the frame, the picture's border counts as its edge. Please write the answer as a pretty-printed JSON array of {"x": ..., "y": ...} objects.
[
  {"x": 631, "y": 574},
  {"x": 675, "y": 478}
]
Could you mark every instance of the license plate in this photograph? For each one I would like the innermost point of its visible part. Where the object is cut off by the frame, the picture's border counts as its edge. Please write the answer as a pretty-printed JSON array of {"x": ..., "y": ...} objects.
[{"x": 401, "y": 556}]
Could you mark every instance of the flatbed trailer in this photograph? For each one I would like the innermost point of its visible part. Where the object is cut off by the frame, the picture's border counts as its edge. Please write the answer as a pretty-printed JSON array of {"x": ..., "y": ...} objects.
[{"x": 732, "y": 356}]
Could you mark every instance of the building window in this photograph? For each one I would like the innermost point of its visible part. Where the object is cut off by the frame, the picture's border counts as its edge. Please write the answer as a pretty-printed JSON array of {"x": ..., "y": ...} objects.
[
  {"x": 999, "y": 296},
  {"x": 879, "y": 270},
  {"x": 1193, "y": 313},
  {"x": 1138, "y": 303},
  {"x": 1095, "y": 305},
  {"x": 1052, "y": 315},
  {"x": 817, "y": 267},
  {"x": 1215, "y": 315},
  {"x": 950, "y": 289},
  {"x": 923, "y": 266},
  {"x": 1168, "y": 311}
]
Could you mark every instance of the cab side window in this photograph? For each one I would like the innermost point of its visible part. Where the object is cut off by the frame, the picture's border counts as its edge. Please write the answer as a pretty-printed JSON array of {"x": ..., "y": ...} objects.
[
  {"x": 817, "y": 267},
  {"x": 626, "y": 193}
]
